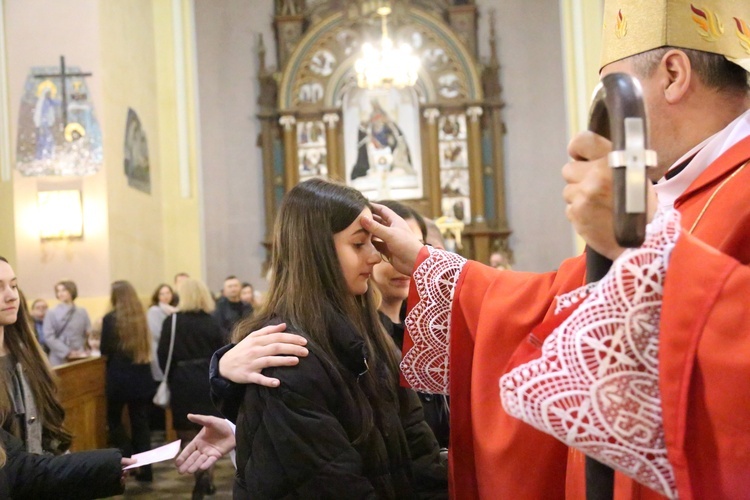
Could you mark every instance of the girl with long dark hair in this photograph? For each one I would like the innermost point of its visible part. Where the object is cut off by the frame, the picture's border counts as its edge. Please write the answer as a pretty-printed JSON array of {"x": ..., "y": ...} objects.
[{"x": 339, "y": 425}]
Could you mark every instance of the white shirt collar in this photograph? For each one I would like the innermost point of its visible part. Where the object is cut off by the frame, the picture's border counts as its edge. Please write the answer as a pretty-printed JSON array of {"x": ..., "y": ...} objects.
[{"x": 705, "y": 153}]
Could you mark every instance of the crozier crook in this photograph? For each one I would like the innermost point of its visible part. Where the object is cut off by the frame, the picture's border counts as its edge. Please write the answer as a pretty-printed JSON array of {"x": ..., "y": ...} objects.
[{"x": 617, "y": 113}]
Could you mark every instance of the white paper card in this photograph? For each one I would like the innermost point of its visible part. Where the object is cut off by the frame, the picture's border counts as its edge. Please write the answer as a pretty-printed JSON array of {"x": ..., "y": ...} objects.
[{"x": 160, "y": 454}]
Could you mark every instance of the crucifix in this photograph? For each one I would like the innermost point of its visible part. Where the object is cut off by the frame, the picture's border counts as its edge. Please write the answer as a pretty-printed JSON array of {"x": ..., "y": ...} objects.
[{"x": 63, "y": 75}]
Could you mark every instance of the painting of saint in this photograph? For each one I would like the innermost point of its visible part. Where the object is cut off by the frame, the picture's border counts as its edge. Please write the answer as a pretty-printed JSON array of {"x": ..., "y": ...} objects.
[
  {"x": 137, "y": 168},
  {"x": 53, "y": 142},
  {"x": 382, "y": 154}
]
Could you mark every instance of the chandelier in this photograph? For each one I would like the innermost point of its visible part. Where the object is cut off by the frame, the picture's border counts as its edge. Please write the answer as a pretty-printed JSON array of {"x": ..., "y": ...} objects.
[{"x": 386, "y": 66}]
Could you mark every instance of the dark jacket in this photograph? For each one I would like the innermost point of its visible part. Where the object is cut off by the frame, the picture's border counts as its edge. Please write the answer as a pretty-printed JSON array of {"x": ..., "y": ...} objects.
[
  {"x": 197, "y": 336},
  {"x": 227, "y": 314},
  {"x": 436, "y": 406},
  {"x": 81, "y": 475},
  {"x": 296, "y": 440},
  {"x": 125, "y": 380}
]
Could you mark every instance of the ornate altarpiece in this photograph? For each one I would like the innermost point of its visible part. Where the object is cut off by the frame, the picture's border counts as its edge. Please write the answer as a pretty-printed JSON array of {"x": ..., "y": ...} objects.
[{"x": 437, "y": 146}]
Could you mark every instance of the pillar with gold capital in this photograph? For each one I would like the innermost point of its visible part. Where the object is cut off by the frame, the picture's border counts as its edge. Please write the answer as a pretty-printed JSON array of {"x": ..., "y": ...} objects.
[
  {"x": 333, "y": 150},
  {"x": 476, "y": 171},
  {"x": 432, "y": 172},
  {"x": 291, "y": 162}
]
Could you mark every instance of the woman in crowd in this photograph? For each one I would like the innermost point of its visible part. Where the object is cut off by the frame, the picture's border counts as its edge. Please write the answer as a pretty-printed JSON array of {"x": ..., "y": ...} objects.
[
  {"x": 126, "y": 341},
  {"x": 339, "y": 425},
  {"x": 162, "y": 305},
  {"x": 29, "y": 408},
  {"x": 66, "y": 327},
  {"x": 196, "y": 337},
  {"x": 31, "y": 418}
]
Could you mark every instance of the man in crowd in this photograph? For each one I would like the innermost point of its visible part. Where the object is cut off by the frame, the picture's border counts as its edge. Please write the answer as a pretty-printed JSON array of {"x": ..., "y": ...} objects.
[
  {"x": 691, "y": 60},
  {"x": 230, "y": 308}
]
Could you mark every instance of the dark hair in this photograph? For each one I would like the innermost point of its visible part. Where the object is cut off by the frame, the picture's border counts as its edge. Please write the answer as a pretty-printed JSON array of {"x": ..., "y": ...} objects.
[
  {"x": 246, "y": 284},
  {"x": 714, "y": 70},
  {"x": 21, "y": 343},
  {"x": 307, "y": 284},
  {"x": 231, "y": 277},
  {"x": 407, "y": 213},
  {"x": 130, "y": 322},
  {"x": 155, "y": 295},
  {"x": 69, "y": 286}
]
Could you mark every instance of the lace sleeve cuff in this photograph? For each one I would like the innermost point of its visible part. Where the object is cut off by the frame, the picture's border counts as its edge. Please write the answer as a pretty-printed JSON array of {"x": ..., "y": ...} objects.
[{"x": 425, "y": 364}]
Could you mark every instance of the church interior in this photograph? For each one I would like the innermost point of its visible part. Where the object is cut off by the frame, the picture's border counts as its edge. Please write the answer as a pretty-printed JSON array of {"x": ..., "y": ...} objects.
[{"x": 140, "y": 139}]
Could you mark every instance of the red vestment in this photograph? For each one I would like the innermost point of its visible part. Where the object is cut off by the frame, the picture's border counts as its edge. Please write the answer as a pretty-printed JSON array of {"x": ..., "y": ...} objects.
[{"x": 704, "y": 358}]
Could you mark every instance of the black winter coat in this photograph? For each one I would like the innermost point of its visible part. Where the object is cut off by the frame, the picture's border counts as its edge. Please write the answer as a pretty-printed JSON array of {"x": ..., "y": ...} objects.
[
  {"x": 81, "y": 475},
  {"x": 197, "y": 336},
  {"x": 296, "y": 441}
]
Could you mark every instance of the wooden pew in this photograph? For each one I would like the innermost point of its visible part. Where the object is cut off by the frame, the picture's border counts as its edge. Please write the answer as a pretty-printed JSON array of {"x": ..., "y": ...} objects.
[{"x": 81, "y": 392}]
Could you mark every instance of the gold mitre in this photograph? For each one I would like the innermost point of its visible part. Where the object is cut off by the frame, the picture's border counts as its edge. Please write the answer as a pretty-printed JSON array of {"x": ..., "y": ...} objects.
[{"x": 717, "y": 26}]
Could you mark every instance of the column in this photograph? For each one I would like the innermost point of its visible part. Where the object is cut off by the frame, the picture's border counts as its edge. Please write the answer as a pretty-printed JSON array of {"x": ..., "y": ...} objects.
[
  {"x": 335, "y": 170},
  {"x": 432, "y": 171},
  {"x": 291, "y": 162}
]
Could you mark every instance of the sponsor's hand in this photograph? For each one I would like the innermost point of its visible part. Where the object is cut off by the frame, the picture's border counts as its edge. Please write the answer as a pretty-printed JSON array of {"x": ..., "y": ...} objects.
[
  {"x": 269, "y": 346},
  {"x": 214, "y": 440}
]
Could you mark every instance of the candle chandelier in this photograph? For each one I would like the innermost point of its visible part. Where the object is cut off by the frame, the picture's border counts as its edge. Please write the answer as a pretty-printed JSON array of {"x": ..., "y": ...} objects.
[{"x": 387, "y": 65}]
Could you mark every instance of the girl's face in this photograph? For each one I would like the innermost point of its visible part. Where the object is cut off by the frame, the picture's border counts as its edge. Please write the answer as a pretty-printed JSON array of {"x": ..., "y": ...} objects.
[
  {"x": 392, "y": 284},
  {"x": 356, "y": 253},
  {"x": 8, "y": 295},
  {"x": 165, "y": 295},
  {"x": 63, "y": 295}
]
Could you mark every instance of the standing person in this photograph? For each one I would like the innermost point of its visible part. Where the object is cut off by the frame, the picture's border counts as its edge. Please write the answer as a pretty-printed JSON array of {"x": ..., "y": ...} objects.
[
  {"x": 163, "y": 302},
  {"x": 338, "y": 425},
  {"x": 196, "y": 337},
  {"x": 66, "y": 326},
  {"x": 247, "y": 295},
  {"x": 38, "y": 312},
  {"x": 29, "y": 408},
  {"x": 697, "y": 101},
  {"x": 394, "y": 290},
  {"x": 229, "y": 308},
  {"x": 126, "y": 342}
]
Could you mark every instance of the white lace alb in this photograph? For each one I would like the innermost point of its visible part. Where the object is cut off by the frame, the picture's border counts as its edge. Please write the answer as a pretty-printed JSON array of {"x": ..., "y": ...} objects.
[
  {"x": 596, "y": 385},
  {"x": 425, "y": 365}
]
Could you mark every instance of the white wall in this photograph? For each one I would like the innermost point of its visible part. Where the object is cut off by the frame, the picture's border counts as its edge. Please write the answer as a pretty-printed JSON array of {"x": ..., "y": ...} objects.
[
  {"x": 532, "y": 76},
  {"x": 226, "y": 32}
]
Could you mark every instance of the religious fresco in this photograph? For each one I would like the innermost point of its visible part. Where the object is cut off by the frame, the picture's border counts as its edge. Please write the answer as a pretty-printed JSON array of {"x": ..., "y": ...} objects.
[
  {"x": 454, "y": 167},
  {"x": 382, "y": 146},
  {"x": 58, "y": 133},
  {"x": 311, "y": 149},
  {"x": 136, "y": 163}
]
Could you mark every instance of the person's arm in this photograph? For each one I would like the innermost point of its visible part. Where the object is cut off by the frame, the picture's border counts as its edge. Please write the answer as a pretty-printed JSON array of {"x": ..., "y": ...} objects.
[
  {"x": 214, "y": 440},
  {"x": 80, "y": 475},
  {"x": 243, "y": 364},
  {"x": 164, "y": 339},
  {"x": 704, "y": 368},
  {"x": 108, "y": 344},
  {"x": 56, "y": 344}
]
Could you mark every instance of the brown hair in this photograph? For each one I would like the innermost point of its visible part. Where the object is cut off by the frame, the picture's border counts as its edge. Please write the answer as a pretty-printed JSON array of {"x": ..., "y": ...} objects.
[
  {"x": 21, "y": 343},
  {"x": 69, "y": 286},
  {"x": 714, "y": 70},
  {"x": 307, "y": 283},
  {"x": 155, "y": 296},
  {"x": 130, "y": 322}
]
